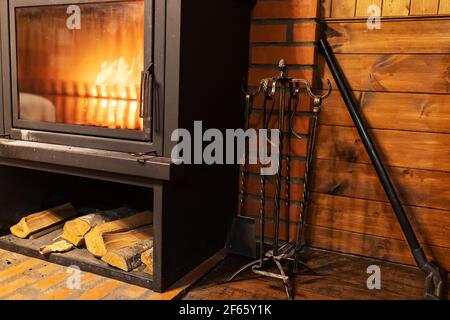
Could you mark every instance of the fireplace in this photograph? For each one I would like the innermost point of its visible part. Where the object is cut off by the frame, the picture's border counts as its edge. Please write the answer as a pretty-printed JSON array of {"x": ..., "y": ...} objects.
[
  {"x": 91, "y": 93},
  {"x": 83, "y": 68}
]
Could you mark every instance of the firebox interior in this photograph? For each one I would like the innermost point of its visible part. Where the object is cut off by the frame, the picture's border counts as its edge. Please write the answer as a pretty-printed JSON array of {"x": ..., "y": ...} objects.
[{"x": 81, "y": 65}]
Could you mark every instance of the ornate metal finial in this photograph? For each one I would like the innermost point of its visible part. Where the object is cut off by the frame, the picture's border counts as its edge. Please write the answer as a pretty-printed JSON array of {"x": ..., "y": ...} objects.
[{"x": 282, "y": 66}]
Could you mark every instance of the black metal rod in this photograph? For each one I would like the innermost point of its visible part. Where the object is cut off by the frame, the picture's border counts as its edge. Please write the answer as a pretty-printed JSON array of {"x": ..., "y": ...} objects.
[
  {"x": 277, "y": 206},
  {"x": 353, "y": 109},
  {"x": 262, "y": 194}
]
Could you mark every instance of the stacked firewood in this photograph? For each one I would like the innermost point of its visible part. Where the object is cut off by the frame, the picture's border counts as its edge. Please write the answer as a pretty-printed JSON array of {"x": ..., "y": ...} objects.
[{"x": 123, "y": 238}]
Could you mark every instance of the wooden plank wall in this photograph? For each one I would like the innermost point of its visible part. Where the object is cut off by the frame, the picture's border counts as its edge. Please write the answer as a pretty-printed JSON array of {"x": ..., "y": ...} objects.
[
  {"x": 400, "y": 76},
  {"x": 389, "y": 8}
]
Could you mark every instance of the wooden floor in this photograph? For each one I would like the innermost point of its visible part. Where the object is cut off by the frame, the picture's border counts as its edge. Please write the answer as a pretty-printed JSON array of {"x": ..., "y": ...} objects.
[
  {"x": 344, "y": 277},
  {"x": 25, "y": 278}
]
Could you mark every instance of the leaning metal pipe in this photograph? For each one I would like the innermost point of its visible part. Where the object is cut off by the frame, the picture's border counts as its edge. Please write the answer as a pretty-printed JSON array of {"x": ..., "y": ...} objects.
[{"x": 435, "y": 284}]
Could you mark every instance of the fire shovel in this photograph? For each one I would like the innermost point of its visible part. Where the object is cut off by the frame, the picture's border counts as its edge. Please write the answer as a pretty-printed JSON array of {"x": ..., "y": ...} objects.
[{"x": 241, "y": 236}]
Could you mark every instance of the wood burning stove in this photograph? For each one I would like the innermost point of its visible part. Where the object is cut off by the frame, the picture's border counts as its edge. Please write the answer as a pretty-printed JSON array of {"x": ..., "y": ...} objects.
[
  {"x": 94, "y": 89},
  {"x": 82, "y": 68}
]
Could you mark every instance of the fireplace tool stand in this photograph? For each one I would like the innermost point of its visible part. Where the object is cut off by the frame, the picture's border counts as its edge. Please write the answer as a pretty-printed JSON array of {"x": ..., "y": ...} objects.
[{"x": 286, "y": 91}]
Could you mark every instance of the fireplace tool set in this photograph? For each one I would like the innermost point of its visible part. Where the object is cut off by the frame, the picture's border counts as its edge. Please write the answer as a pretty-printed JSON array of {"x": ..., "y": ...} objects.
[{"x": 285, "y": 92}]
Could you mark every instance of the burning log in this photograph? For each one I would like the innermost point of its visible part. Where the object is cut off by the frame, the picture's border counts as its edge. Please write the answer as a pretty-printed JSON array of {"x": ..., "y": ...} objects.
[
  {"x": 75, "y": 230},
  {"x": 127, "y": 258},
  {"x": 147, "y": 259},
  {"x": 43, "y": 220},
  {"x": 95, "y": 239}
]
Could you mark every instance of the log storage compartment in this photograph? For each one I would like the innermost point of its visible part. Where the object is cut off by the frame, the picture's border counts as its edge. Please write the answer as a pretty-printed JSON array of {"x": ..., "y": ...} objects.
[
  {"x": 116, "y": 202},
  {"x": 92, "y": 92}
]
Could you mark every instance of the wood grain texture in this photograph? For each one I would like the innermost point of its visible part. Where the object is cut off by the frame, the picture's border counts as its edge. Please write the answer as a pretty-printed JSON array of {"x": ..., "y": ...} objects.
[
  {"x": 406, "y": 149},
  {"x": 415, "y": 187},
  {"x": 334, "y": 111},
  {"x": 424, "y": 7},
  {"x": 423, "y": 36},
  {"x": 394, "y": 73},
  {"x": 345, "y": 279},
  {"x": 363, "y": 5},
  {"x": 378, "y": 247},
  {"x": 396, "y": 8},
  {"x": 39, "y": 221},
  {"x": 349, "y": 9},
  {"x": 444, "y": 7},
  {"x": 343, "y": 8},
  {"x": 397, "y": 111},
  {"x": 325, "y": 8},
  {"x": 377, "y": 218},
  {"x": 400, "y": 78}
]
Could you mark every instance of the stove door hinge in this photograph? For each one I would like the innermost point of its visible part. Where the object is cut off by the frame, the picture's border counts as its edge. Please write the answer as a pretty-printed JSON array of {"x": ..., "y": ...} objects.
[{"x": 143, "y": 158}]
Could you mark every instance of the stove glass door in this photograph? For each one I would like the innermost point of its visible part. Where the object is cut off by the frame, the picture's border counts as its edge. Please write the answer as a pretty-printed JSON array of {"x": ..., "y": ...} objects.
[{"x": 79, "y": 68}]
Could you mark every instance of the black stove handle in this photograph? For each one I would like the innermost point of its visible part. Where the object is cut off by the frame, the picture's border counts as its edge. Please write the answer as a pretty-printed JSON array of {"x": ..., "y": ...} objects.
[{"x": 145, "y": 98}]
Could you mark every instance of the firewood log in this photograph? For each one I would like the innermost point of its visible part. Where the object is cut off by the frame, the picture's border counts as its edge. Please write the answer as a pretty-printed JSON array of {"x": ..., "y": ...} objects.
[
  {"x": 42, "y": 220},
  {"x": 119, "y": 240},
  {"x": 95, "y": 241},
  {"x": 75, "y": 230},
  {"x": 147, "y": 259},
  {"x": 57, "y": 247},
  {"x": 127, "y": 258},
  {"x": 45, "y": 232}
]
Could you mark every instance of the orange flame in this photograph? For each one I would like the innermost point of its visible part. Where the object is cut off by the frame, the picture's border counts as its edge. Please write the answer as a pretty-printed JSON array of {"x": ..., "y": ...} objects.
[{"x": 115, "y": 95}]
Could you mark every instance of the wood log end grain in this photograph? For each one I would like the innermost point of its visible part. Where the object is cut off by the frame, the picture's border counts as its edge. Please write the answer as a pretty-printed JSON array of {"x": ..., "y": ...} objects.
[{"x": 147, "y": 259}]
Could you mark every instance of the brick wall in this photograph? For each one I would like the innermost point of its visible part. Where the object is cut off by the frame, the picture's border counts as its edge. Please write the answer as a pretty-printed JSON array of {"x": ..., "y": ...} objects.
[{"x": 282, "y": 29}]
